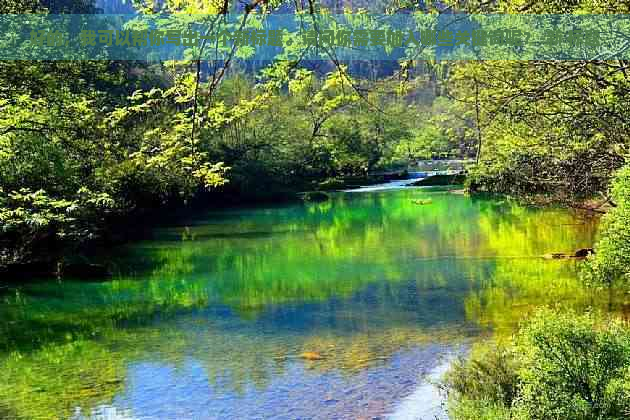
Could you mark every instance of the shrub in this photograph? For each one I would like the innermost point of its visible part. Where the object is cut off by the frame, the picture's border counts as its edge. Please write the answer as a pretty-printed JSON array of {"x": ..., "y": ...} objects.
[
  {"x": 560, "y": 366},
  {"x": 470, "y": 409},
  {"x": 574, "y": 367},
  {"x": 489, "y": 375},
  {"x": 612, "y": 259}
]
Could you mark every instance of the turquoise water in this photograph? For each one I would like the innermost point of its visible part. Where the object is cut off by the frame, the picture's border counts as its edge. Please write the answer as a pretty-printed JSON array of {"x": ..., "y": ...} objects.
[{"x": 339, "y": 309}]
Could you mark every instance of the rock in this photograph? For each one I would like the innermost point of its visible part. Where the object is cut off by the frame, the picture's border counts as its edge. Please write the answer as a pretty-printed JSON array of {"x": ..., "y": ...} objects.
[
  {"x": 85, "y": 271},
  {"x": 311, "y": 355},
  {"x": 422, "y": 202},
  {"x": 583, "y": 252}
]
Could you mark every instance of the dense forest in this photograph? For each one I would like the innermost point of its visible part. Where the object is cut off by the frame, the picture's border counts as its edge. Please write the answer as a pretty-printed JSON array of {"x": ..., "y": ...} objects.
[{"x": 88, "y": 148}]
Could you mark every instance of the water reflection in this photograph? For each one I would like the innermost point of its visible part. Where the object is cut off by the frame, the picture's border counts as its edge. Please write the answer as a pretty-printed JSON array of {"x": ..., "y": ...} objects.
[{"x": 212, "y": 318}]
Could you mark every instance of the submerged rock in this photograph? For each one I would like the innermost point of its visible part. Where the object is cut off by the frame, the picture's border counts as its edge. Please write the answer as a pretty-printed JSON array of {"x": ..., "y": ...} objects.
[
  {"x": 422, "y": 202},
  {"x": 311, "y": 355},
  {"x": 316, "y": 196},
  {"x": 459, "y": 192}
]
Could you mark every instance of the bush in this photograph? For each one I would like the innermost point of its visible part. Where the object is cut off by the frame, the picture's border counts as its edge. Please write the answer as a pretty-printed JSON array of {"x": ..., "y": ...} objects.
[
  {"x": 489, "y": 375},
  {"x": 560, "y": 366},
  {"x": 484, "y": 386},
  {"x": 573, "y": 367},
  {"x": 612, "y": 259},
  {"x": 469, "y": 409}
]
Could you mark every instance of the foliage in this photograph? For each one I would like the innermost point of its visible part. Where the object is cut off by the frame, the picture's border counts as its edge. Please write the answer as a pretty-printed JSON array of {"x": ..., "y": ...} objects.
[
  {"x": 154, "y": 134},
  {"x": 66, "y": 163},
  {"x": 29, "y": 218},
  {"x": 441, "y": 133},
  {"x": 488, "y": 376},
  {"x": 545, "y": 127},
  {"x": 561, "y": 366},
  {"x": 166, "y": 162},
  {"x": 612, "y": 259},
  {"x": 573, "y": 367}
]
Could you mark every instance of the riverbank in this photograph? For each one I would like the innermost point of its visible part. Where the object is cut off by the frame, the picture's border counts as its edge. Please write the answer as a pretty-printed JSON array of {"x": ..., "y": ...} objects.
[
  {"x": 562, "y": 362},
  {"x": 56, "y": 257}
]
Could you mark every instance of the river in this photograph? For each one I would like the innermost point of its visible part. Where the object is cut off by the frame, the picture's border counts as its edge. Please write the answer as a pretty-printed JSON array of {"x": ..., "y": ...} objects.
[{"x": 350, "y": 308}]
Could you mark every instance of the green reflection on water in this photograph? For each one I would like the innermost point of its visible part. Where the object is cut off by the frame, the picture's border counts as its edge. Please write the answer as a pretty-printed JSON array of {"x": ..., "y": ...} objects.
[{"x": 354, "y": 280}]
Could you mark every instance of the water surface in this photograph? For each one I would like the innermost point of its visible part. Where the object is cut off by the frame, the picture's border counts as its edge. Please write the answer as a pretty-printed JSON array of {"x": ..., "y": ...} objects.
[{"x": 339, "y": 309}]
